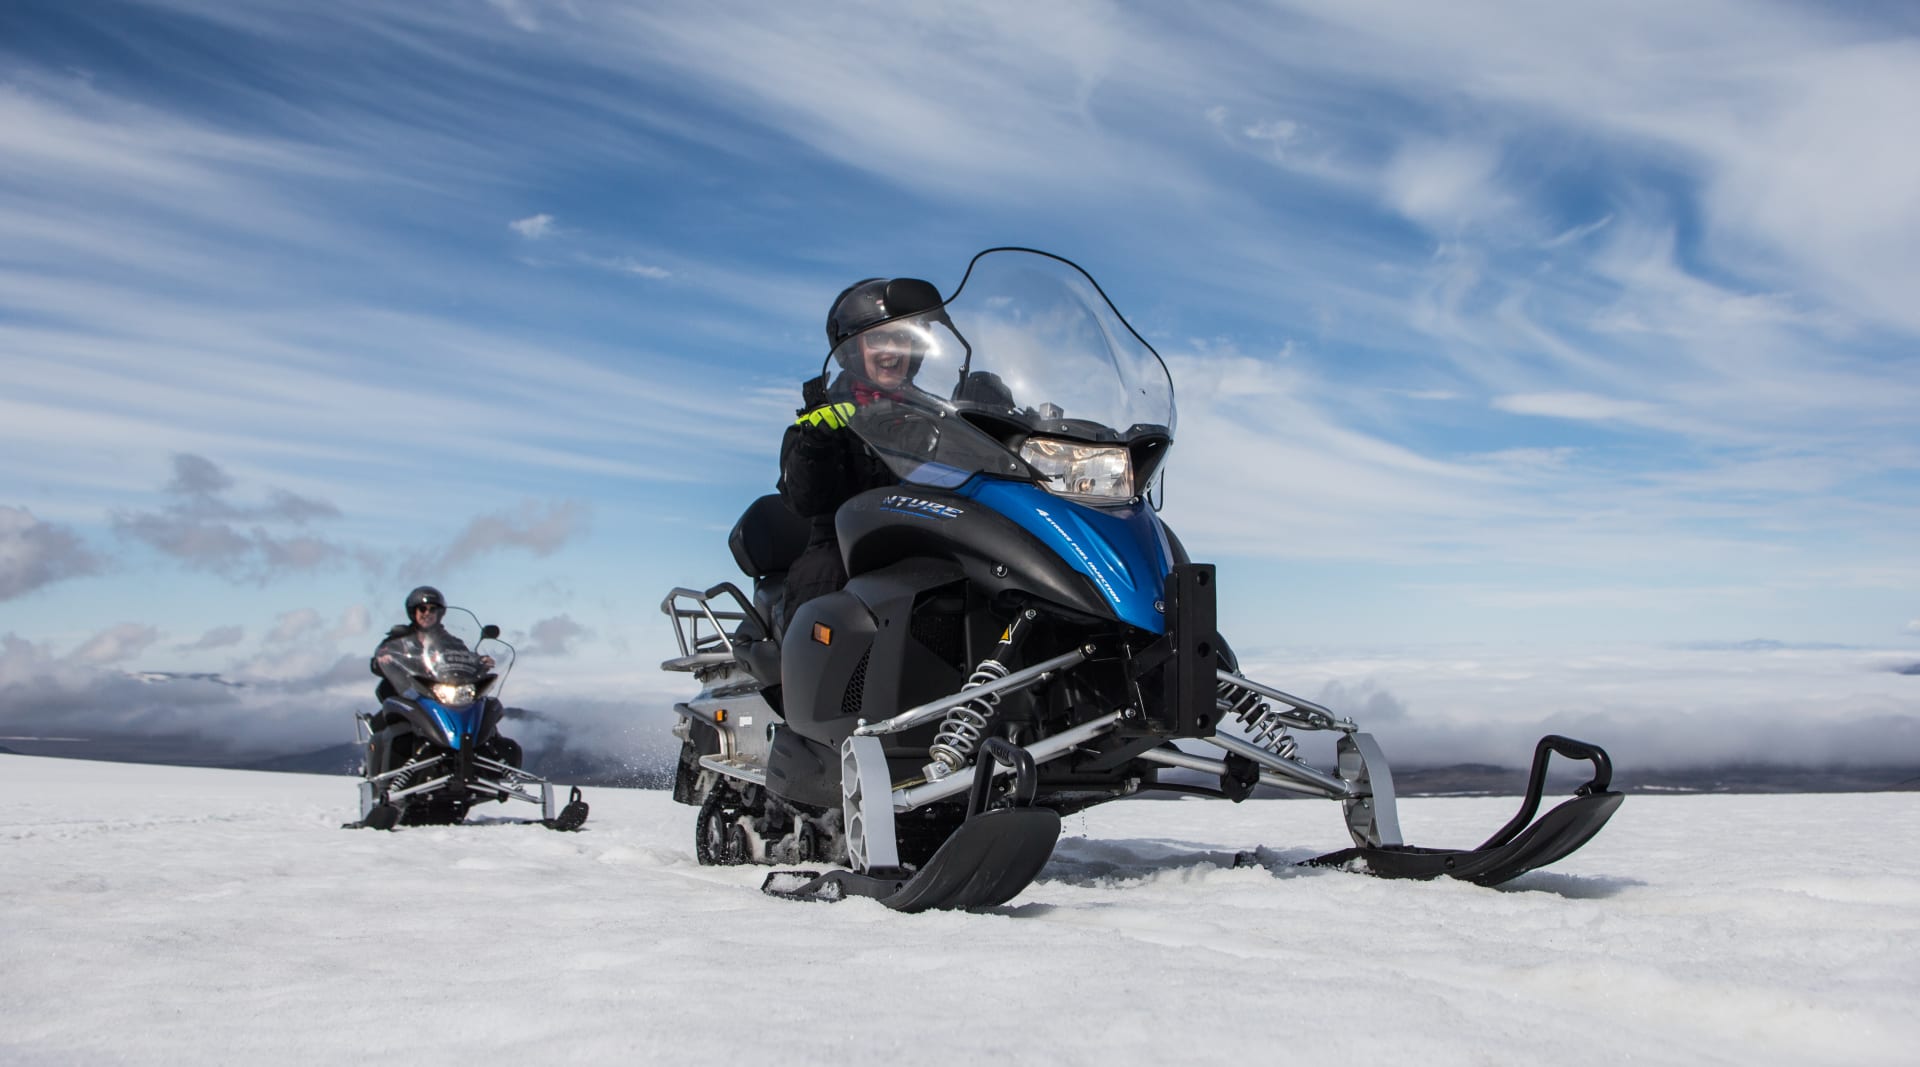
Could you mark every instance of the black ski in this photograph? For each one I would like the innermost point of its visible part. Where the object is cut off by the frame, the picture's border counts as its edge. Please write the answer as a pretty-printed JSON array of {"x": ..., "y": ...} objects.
[
  {"x": 1518, "y": 847},
  {"x": 571, "y": 817},
  {"x": 987, "y": 861}
]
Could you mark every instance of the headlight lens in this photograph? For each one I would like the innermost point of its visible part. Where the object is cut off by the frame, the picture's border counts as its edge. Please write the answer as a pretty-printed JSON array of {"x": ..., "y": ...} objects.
[
  {"x": 1094, "y": 473},
  {"x": 453, "y": 696}
]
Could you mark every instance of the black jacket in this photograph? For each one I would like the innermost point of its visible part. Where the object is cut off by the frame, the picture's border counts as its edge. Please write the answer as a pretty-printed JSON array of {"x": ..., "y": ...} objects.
[{"x": 822, "y": 468}]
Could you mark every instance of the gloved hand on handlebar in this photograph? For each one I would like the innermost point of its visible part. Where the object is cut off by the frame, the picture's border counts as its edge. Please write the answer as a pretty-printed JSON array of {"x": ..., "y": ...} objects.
[{"x": 818, "y": 413}]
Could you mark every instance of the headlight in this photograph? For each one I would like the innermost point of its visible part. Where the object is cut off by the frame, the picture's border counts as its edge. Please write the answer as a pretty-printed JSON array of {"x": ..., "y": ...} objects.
[
  {"x": 453, "y": 696},
  {"x": 1094, "y": 473}
]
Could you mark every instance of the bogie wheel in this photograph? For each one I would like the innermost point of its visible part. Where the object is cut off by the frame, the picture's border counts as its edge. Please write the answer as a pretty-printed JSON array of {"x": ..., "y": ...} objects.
[
  {"x": 739, "y": 850},
  {"x": 710, "y": 830}
]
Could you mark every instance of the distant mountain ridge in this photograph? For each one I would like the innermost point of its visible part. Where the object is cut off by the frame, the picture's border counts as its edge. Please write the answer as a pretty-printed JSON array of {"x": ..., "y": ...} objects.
[{"x": 162, "y": 677}]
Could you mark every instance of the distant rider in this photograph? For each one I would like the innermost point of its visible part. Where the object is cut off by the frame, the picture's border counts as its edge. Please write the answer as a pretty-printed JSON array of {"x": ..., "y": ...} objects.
[
  {"x": 426, "y": 608},
  {"x": 823, "y": 464}
]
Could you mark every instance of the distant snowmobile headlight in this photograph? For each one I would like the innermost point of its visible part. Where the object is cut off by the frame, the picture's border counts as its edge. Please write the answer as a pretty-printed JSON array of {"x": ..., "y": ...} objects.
[
  {"x": 453, "y": 696},
  {"x": 1094, "y": 473}
]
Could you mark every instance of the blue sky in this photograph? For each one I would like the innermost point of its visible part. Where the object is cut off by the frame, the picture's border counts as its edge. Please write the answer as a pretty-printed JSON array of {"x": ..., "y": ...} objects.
[{"x": 1515, "y": 330}]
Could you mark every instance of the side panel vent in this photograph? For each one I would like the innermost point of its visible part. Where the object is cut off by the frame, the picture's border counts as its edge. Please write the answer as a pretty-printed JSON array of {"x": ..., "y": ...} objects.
[
  {"x": 943, "y": 634},
  {"x": 856, "y": 686}
]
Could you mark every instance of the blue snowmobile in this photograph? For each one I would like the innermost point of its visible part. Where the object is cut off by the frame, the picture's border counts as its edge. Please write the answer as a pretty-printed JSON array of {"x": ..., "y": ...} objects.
[
  {"x": 434, "y": 749},
  {"x": 1021, "y": 636}
]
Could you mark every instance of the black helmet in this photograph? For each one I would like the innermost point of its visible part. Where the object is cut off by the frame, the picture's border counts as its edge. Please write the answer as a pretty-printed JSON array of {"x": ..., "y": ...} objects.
[
  {"x": 876, "y": 300},
  {"x": 424, "y": 596}
]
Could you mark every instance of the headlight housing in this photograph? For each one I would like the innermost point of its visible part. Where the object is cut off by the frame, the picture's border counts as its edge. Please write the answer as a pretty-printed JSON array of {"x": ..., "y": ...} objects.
[
  {"x": 1096, "y": 474},
  {"x": 454, "y": 696}
]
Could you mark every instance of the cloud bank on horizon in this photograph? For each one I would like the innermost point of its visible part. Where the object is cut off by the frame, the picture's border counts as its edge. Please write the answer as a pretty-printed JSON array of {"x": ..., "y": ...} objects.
[{"x": 1568, "y": 327}]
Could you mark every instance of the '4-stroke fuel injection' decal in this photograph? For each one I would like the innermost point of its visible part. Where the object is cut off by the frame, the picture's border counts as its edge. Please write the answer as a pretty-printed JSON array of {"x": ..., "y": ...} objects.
[{"x": 1121, "y": 549}]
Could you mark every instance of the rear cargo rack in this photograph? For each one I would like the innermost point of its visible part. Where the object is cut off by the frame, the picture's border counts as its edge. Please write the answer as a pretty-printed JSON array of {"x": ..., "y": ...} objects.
[{"x": 704, "y": 628}]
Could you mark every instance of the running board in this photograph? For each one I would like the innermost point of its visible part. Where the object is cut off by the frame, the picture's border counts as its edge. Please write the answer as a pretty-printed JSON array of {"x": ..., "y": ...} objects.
[{"x": 1518, "y": 847}]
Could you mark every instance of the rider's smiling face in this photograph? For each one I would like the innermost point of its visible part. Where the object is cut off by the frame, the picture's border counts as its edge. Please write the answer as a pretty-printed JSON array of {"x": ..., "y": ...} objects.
[
  {"x": 426, "y": 615},
  {"x": 889, "y": 357}
]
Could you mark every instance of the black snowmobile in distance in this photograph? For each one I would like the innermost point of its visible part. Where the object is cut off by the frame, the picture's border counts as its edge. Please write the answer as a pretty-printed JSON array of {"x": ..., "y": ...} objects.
[
  {"x": 1021, "y": 637},
  {"x": 434, "y": 749}
]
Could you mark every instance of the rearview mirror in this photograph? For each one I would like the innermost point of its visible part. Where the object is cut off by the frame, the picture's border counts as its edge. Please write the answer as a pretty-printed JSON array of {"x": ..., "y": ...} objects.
[{"x": 489, "y": 632}]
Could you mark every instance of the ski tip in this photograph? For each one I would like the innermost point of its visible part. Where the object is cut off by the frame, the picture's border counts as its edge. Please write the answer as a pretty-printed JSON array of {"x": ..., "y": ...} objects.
[{"x": 571, "y": 817}]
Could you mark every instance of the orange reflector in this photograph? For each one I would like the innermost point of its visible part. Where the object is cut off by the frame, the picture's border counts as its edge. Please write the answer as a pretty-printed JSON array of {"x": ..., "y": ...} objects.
[
  {"x": 823, "y": 633},
  {"x": 720, "y": 715}
]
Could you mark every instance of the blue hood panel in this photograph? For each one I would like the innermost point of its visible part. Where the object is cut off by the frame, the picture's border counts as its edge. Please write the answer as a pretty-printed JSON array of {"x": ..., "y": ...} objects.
[
  {"x": 455, "y": 721},
  {"x": 1123, "y": 550}
]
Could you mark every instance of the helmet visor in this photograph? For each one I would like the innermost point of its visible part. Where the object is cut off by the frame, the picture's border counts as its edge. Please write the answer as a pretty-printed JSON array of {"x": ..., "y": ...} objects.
[{"x": 899, "y": 355}]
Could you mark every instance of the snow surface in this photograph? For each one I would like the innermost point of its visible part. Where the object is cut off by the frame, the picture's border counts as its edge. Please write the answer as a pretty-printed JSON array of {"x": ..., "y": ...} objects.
[{"x": 156, "y": 914}]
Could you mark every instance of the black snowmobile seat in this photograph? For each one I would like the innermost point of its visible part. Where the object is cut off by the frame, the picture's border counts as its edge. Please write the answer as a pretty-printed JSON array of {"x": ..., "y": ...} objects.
[
  {"x": 765, "y": 542},
  {"x": 768, "y": 537}
]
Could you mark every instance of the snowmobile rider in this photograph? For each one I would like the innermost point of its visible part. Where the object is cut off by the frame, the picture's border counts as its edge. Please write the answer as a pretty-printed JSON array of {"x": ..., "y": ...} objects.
[
  {"x": 426, "y": 608},
  {"x": 823, "y": 464}
]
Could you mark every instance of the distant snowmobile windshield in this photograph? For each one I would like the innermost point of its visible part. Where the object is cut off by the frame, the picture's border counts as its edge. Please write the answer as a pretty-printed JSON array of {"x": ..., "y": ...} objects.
[
  {"x": 1028, "y": 346},
  {"x": 445, "y": 653}
]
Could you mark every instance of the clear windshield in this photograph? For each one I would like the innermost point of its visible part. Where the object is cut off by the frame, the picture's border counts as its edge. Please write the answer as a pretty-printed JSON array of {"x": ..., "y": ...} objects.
[
  {"x": 1027, "y": 346},
  {"x": 450, "y": 652}
]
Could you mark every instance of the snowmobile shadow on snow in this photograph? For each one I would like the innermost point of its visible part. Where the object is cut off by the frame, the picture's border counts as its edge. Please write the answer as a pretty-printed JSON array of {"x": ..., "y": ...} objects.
[
  {"x": 434, "y": 750},
  {"x": 1087, "y": 862},
  {"x": 1569, "y": 886},
  {"x": 1021, "y": 636}
]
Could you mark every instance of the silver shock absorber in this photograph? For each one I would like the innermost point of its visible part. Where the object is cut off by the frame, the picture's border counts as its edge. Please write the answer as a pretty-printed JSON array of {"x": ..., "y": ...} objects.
[
  {"x": 401, "y": 780},
  {"x": 963, "y": 728},
  {"x": 1268, "y": 729}
]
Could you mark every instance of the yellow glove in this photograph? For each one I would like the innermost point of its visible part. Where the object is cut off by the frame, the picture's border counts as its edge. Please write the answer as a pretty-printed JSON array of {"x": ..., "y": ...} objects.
[{"x": 831, "y": 416}]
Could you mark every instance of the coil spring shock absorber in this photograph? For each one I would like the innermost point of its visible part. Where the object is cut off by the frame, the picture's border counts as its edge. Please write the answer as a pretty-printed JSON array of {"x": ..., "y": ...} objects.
[
  {"x": 1267, "y": 728},
  {"x": 962, "y": 730},
  {"x": 408, "y": 772}
]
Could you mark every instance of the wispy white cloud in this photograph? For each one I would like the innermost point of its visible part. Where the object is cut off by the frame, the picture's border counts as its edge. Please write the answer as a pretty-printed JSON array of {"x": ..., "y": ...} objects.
[
  {"x": 629, "y": 265},
  {"x": 291, "y": 626},
  {"x": 115, "y": 644},
  {"x": 1650, "y": 707},
  {"x": 218, "y": 637},
  {"x": 34, "y": 553},
  {"x": 1569, "y": 406},
  {"x": 520, "y": 14},
  {"x": 1444, "y": 186},
  {"x": 553, "y": 636},
  {"x": 203, "y": 530},
  {"x": 533, "y": 227},
  {"x": 539, "y": 528},
  {"x": 353, "y": 622}
]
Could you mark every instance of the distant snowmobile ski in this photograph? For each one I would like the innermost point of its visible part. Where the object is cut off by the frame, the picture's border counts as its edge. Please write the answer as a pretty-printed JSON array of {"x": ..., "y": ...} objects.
[
  {"x": 1021, "y": 637},
  {"x": 434, "y": 751}
]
